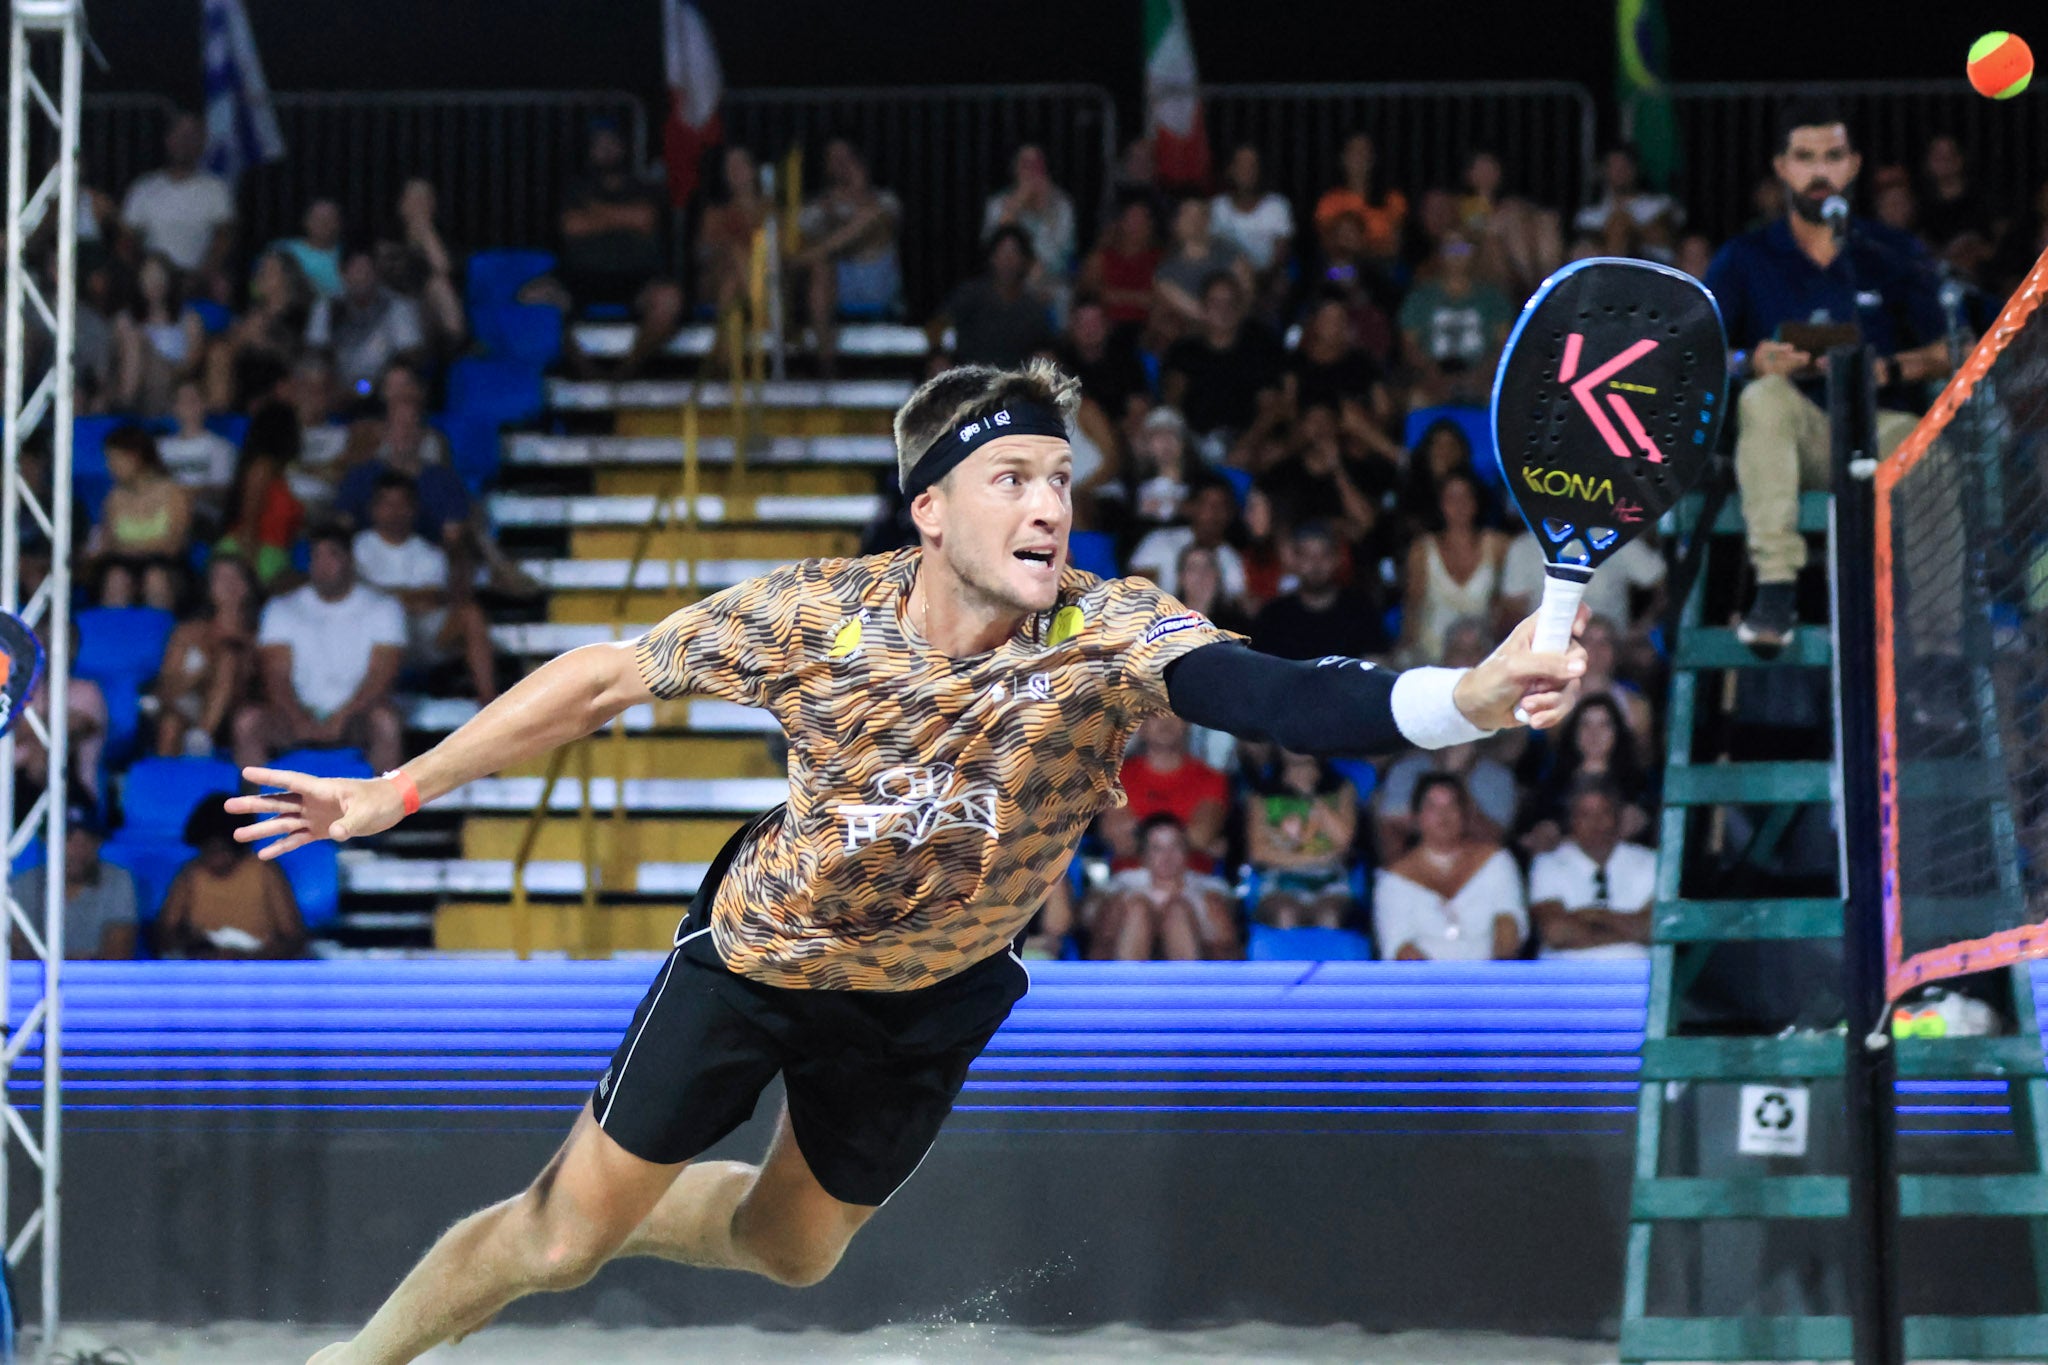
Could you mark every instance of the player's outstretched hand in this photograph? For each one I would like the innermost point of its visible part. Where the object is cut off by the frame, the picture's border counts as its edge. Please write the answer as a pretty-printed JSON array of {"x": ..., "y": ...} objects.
[
  {"x": 310, "y": 808},
  {"x": 1515, "y": 685}
]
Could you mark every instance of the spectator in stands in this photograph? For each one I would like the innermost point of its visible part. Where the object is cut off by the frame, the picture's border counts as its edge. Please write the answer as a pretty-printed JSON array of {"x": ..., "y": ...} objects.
[
  {"x": 404, "y": 437},
  {"x": 227, "y": 903},
  {"x": 329, "y": 653},
  {"x": 1161, "y": 777},
  {"x": 367, "y": 327},
  {"x": 613, "y": 255},
  {"x": 1211, "y": 513},
  {"x": 318, "y": 252},
  {"x": 202, "y": 461},
  {"x": 1595, "y": 742},
  {"x": 1628, "y": 220},
  {"x": 99, "y": 898},
  {"x": 996, "y": 319},
  {"x": 1453, "y": 571},
  {"x": 1794, "y": 272},
  {"x": 1226, "y": 376},
  {"x": 1163, "y": 474},
  {"x": 1044, "y": 213},
  {"x": 1259, "y": 222},
  {"x": 1200, "y": 585},
  {"x": 1319, "y": 617},
  {"x": 1106, "y": 363},
  {"x": 1123, "y": 269},
  {"x": 442, "y": 619},
  {"x": 1196, "y": 257},
  {"x": 1454, "y": 325},
  {"x": 1519, "y": 242},
  {"x": 262, "y": 517},
  {"x": 1627, "y": 590},
  {"x": 415, "y": 263},
  {"x": 1354, "y": 279},
  {"x": 1454, "y": 896},
  {"x": 1381, "y": 213},
  {"x": 1444, "y": 450},
  {"x": 1590, "y": 896},
  {"x": 1320, "y": 480},
  {"x": 158, "y": 341},
  {"x": 244, "y": 367},
  {"x": 1602, "y": 644},
  {"x": 209, "y": 667},
  {"x": 139, "y": 547},
  {"x": 323, "y": 437},
  {"x": 1892, "y": 202},
  {"x": 725, "y": 236},
  {"x": 1489, "y": 784},
  {"x": 184, "y": 213},
  {"x": 1162, "y": 909},
  {"x": 85, "y": 709},
  {"x": 849, "y": 255},
  {"x": 1695, "y": 254},
  {"x": 1298, "y": 835},
  {"x": 403, "y": 449},
  {"x": 1330, "y": 367},
  {"x": 1954, "y": 219}
]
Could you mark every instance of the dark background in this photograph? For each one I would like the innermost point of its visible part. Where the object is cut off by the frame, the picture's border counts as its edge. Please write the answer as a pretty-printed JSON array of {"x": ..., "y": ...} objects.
[{"x": 499, "y": 44}]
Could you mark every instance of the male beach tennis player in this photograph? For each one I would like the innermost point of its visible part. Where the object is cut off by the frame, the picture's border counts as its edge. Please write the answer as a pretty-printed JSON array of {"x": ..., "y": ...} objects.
[{"x": 957, "y": 713}]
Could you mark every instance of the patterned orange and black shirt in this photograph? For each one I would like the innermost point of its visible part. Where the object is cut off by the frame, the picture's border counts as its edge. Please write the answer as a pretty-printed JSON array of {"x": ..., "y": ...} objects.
[{"x": 932, "y": 800}]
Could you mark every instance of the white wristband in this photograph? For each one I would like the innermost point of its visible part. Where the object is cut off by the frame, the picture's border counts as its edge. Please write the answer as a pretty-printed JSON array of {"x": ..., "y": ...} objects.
[{"x": 1427, "y": 712}]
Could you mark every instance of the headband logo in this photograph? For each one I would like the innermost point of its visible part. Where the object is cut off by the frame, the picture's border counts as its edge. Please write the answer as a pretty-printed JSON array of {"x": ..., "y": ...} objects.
[{"x": 974, "y": 429}]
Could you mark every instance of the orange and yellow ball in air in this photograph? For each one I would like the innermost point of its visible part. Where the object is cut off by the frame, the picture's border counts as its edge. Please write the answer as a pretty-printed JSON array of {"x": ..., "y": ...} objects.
[{"x": 2000, "y": 66}]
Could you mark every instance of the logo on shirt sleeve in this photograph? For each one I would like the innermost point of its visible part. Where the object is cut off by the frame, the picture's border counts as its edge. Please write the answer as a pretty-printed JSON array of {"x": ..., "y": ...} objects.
[{"x": 1168, "y": 625}]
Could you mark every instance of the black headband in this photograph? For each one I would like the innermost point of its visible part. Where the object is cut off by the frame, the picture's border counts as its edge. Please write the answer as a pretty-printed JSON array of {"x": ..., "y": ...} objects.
[{"x": 1018, "y": 417}]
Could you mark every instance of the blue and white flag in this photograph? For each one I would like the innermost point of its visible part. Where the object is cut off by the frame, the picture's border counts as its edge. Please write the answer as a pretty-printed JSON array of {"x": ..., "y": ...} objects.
[{"x": 241, "y": 128}]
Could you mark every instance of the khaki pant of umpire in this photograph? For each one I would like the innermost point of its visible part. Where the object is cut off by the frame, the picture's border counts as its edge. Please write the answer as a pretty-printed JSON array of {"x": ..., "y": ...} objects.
[{"x": 1781, "y": 447}]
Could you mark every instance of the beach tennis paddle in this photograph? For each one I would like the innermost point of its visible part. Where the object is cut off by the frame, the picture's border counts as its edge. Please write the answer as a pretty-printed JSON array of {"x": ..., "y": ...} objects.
[
  {"x": 1606, "y": 407},
  {"x": 21, "y": 664}
]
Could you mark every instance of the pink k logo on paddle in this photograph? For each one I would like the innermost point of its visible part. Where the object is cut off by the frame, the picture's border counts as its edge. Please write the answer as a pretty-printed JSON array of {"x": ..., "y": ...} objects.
[{"x": 1582, "y": 391}]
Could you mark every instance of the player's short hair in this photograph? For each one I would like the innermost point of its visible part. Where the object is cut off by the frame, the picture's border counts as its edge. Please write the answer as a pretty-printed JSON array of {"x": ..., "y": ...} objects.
[
  {"x": 1807, "y": 111},
  {"x": 947, "y": 400}
]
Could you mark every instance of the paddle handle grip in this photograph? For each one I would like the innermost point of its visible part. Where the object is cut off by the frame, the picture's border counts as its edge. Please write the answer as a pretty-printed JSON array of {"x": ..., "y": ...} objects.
[{"x": 1560, "y": 609}]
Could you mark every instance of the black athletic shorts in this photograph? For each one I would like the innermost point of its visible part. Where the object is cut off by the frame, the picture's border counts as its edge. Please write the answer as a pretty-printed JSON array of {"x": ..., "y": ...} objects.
[{"x": 869, "y": 1075}]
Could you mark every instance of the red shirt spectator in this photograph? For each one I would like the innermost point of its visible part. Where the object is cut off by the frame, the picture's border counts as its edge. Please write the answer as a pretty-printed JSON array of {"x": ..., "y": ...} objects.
[
  {"x": 1120, "y": 270},
  {"x": 1162, "y": 777}
]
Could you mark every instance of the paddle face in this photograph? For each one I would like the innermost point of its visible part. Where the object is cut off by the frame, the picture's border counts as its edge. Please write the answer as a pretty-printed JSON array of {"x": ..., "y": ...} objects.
[
  {"x": 1607, "y": 403},
  {"x": 21, "y": 663}
]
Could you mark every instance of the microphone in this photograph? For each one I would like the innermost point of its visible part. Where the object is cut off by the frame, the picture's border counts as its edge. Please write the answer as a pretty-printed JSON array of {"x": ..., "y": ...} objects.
[{"x": 1834, "y": 211}]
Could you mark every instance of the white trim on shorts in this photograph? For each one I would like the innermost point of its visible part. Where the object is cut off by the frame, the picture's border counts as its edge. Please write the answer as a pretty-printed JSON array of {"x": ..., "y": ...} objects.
[{"x": 619, "y": 1081}]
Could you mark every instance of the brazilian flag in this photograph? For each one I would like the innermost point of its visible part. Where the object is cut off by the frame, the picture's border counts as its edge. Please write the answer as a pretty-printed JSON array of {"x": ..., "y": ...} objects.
[{"x": 1642, "y": 73}]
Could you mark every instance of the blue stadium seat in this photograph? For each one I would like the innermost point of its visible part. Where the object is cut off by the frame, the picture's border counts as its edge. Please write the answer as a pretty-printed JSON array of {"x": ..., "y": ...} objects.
[
  {"x": 315, "y": 874},
  {"x": 472, "y": 448},
  {"x": 1307, "y": 945},
  {"x": 158, "y": 794},
  {"x": 326, "y": 762},
  {"x": 1240, "y": 481},
  {"x": 496, "y": 277},
  {"x": 1093, "y": 552},
  {"x": 214, "y": 317},
  {"x": 1476, "y": 423},
  {"x": 526, "y": 332},
  {"x": 154, "y": 866},
  {"x": 229, "y": 426},
  {"x": 501, "y": 390},
  {"x": 90, "y": 481},
  {"x": 121, "y": 649}
]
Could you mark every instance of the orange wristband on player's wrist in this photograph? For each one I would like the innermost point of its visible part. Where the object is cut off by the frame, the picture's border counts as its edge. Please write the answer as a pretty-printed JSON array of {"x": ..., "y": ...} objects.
[{"x": 408, "y": 792}]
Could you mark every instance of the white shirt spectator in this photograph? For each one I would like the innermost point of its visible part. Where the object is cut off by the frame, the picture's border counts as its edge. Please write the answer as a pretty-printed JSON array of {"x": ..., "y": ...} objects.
[
  {"x": 1159, "y": 555},
  {"x": 178, "y": 217},
  {"x": 1633, "y": 567},
  {"x": 200, "y": 462},
  {"x": 365, "y": 339},
  {"x": 1644, "y": 207},
  {"x": 1194, "y": 886},
  {"x": 1259, "y": 232},
  {"x": 331, "y": 641},
  {"x": 409, "y": 565},
  {"x": 1569, "y": 875},
  {"x": 1456, "y": 930},
  {"x": 1050, "y": 229}
]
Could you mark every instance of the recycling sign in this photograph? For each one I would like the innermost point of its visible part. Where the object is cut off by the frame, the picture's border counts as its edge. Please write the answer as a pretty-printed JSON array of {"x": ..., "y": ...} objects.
[{"x": 1773, "y": 1121}]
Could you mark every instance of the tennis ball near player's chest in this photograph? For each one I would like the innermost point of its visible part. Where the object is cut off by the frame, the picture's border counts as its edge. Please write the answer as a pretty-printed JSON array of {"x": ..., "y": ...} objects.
[{"x": 2000, "y": 65}]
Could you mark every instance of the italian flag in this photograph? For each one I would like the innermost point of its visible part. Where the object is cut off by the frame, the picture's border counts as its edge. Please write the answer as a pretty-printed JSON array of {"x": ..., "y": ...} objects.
[{"x": 1173, "y": 102}]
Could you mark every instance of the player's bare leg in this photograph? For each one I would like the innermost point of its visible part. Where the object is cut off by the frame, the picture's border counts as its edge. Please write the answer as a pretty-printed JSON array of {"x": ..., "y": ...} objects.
[
  {"x": 773, "y": 1219},
  {"x": 554, "y": 1235}
]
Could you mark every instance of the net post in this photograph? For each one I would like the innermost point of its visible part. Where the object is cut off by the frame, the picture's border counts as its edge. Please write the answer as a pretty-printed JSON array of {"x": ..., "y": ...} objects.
[{"x": 1879, "y": 1328}]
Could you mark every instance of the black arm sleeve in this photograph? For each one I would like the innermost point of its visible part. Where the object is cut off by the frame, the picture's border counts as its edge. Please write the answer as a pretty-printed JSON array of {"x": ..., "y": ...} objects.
[{"x": 1340, "y": 709}]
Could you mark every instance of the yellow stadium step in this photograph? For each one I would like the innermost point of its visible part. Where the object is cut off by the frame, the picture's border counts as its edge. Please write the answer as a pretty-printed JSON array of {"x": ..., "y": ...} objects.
[
  {"x": 821, "y": 480},
  {"x": 672, "y": 756},
  {"x": 768, "y": 422},
  {"x": 637, "y": 839},
  {"x": 715, "y": 542},
  {"x": 553, "y": 927}
]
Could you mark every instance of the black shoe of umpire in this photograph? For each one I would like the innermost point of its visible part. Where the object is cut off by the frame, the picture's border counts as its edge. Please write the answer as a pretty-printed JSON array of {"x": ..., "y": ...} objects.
[{"x": 1768, "y": 625}]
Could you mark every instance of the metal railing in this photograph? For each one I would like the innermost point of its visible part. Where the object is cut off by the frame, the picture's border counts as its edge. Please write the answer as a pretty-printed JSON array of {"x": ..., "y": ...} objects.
[
  {"x": 942, "y": 150},
  {"x": 1422, "y": 131},
  {"x": 120, "y": 137},
  {"x": 1727, "y": 132},
  {"x": 676, "y": 506}
]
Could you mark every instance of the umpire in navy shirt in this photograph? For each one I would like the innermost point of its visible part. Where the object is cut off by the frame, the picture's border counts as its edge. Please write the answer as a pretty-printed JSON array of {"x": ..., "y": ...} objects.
[{"x": 1798, "y": 270}]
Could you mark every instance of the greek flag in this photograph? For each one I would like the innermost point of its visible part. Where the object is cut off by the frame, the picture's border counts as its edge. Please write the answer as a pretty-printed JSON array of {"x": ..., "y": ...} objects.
[{"x": 241, "y": 129}]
